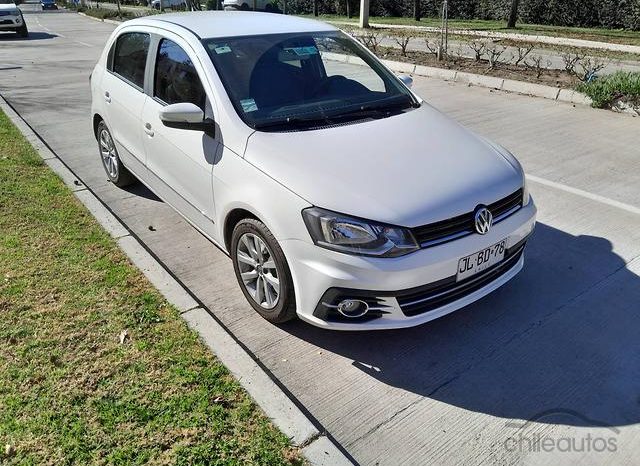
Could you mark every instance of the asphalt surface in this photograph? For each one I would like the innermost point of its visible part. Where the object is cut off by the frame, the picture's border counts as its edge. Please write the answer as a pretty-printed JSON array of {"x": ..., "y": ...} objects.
[{"x": 544, "y": 371}]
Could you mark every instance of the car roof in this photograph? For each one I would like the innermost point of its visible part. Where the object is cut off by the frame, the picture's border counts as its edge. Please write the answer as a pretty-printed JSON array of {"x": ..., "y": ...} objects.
[{"x": 214, "y": 24}]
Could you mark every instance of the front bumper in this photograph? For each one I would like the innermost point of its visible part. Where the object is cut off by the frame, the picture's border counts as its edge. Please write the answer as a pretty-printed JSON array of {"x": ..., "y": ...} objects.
[
  {"x": 11, "y": 23},
  {"x": 405, "y": 291}
]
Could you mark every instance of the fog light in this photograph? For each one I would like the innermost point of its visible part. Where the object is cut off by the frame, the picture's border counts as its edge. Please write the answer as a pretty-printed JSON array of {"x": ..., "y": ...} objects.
[{"x": 353, "y": 308}]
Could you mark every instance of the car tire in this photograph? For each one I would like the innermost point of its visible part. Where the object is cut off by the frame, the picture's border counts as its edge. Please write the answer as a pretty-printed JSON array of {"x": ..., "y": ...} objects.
[
  {"x": 23, "y": 31},
  {"x": 115, "y": 170},
  {"x": 254, "y": 250},
  {"x": 268, "y": 8},
  {"x": 244, "y": 7}
]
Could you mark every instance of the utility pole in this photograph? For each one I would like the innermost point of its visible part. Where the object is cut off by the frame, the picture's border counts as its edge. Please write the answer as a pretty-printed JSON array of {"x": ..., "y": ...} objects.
[{"x": 364, "y": 13}]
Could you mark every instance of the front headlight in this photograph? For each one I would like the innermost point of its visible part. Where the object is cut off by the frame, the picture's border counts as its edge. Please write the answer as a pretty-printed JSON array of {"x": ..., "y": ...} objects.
[{"x": 356, "y": 236}]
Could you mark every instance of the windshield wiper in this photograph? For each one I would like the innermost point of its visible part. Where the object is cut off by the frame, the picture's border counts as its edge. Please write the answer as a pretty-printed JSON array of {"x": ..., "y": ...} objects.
[
  {"x": 378, "y": 109},
  {"x": 292, "y": 121}
]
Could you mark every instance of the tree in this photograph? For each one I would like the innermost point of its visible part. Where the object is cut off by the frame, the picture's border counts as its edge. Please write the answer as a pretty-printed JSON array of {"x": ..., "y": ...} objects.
[
  {"x": 513, "y": 16},
  {"x": 417, "y": 14},
  {"x": 315, "y": 7}
]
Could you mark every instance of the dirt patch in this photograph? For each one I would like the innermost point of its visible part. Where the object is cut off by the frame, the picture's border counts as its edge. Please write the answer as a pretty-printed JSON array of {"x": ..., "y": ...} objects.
[{"x": 555, "y": 78}]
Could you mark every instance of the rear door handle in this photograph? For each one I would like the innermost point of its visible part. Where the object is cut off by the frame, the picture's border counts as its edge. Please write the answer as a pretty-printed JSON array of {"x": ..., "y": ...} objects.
[
  {"x": 148, "y": 130},
  {"x": 107, "y": 97}
]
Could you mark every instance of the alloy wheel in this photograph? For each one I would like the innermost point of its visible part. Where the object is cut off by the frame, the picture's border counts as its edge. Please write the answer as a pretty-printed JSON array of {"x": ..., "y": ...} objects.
[
  {"x": 258, "y": 270},
  {"x": 108, "y": 153}
]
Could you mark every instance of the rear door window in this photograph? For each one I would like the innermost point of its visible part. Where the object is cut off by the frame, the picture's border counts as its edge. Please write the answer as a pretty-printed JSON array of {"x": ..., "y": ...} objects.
[
  {"x": 176, "y": 79},
  {"x": 130, "y": 57}
]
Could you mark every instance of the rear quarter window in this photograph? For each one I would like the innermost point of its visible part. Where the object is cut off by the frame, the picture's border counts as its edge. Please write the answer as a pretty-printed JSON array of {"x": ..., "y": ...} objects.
[{"x": 128, "y": 57}]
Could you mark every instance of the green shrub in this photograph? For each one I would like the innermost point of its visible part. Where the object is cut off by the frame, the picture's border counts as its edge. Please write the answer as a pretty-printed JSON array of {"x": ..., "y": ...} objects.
[{"x": 607, "y": 90}]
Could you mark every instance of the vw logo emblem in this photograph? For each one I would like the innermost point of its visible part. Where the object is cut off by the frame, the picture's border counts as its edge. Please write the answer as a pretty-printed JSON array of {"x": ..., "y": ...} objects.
[{"x": 483, "y": 220}]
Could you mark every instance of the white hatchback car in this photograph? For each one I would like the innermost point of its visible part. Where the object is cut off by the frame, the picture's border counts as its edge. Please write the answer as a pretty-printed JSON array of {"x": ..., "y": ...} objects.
[
  {"x": 11, "y": 18},
  {"x": 340, "y": 195}
]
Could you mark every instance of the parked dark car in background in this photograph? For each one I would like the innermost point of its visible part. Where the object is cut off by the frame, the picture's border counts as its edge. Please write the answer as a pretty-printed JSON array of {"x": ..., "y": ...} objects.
[{"x": 48, "y": 5}]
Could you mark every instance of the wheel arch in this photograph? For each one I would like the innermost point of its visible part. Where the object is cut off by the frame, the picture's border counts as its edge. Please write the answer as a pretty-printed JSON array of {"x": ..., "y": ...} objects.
[
  {"x": 234, "y": 217},
  {"x": 97, "y": 118}
]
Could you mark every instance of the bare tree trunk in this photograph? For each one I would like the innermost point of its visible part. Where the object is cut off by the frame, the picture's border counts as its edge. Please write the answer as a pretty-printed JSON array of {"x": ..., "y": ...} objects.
[
  {"x": 417, "y": 14},
  {"x": 349, "y": 12},
  {"x": 315, "y": 7},
  {"x": 120, "y": 11},
  {"x": 513, "y": 16}
]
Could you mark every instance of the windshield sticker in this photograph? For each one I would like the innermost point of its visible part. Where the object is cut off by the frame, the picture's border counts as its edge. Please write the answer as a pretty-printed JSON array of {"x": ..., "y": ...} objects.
[
  {"x": 248, "y": 105},
  {"x": 222, "y": 49},
  {"x": 302, "y": 51}
]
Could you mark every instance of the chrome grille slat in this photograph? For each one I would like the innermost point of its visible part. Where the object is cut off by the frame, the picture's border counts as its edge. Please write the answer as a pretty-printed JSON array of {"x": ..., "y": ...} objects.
[{"x": 462, "y": 225}]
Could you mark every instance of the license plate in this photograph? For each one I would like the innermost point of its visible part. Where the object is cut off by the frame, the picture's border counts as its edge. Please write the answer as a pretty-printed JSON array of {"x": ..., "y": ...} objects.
[{"x": 481, "y": 260}]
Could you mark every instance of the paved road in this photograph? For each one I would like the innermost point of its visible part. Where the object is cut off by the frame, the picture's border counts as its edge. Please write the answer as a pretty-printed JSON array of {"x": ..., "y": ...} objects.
[{"x": 559, "y": 345}]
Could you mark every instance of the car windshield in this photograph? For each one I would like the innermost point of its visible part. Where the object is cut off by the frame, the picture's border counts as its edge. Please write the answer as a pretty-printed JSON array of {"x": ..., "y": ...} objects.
[{"x": 300, "y": 80}]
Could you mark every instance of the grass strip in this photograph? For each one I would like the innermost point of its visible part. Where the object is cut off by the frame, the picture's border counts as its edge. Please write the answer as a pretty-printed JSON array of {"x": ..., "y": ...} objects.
[{"x": 95, "y": 366}]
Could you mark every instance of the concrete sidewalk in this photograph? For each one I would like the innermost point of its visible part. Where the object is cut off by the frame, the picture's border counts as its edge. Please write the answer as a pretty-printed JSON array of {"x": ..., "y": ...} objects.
[{"x": 554, "y": 354}]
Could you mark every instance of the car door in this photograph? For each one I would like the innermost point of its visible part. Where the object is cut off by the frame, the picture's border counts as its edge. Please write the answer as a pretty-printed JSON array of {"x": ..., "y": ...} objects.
[
  {"x": 181, "y": 161},
  {"x": 123, "y": 92}
]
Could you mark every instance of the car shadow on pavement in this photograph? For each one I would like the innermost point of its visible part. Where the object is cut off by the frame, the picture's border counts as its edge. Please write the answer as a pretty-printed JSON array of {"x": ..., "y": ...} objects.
[
  {"x": 563, "y": 335},
  {"x": 141, "y": 190},
  {"x": 32, "y": 36}
]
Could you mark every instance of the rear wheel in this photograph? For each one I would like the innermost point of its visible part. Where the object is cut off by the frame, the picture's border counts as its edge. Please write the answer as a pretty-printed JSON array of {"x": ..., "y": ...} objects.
[
  {"x": 262, "y": 271},
  {"x": 117, "y": 173},
  {"x": 244, "y": 7}
]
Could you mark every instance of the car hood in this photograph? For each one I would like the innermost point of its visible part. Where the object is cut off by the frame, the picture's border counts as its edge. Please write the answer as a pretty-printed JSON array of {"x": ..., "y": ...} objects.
[
  {"x": 10, "y": 6},
  {"x": 409, "y": 169}
]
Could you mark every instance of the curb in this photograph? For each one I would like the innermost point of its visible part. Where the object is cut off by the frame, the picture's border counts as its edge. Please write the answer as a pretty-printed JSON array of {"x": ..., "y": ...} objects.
[
  {"x": 492, "y": 82},
  {"x": 110, "y": 21},
  {"x": 285, "y": 414}
]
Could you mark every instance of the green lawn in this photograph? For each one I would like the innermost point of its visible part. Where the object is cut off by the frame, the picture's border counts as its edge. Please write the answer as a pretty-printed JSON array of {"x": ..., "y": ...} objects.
[
  {"x": 70, "y": 391},
  {"x": 596, "y": 34}
]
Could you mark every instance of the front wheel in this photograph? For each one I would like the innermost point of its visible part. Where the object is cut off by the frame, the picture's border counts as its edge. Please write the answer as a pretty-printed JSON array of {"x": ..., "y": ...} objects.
[
  {"x": 117, "y": 173},
  {"x": 23, "y": 31},
  {"x": 262, "y": 271}
]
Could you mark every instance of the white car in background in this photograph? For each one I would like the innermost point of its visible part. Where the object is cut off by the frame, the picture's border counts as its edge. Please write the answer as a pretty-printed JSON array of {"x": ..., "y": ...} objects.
[
  {"x": 245, "y": 5},
  {"x": 173, "y": 4},
  {"x": 11, "y": 19},
  {"x": 341, "y": 196}
]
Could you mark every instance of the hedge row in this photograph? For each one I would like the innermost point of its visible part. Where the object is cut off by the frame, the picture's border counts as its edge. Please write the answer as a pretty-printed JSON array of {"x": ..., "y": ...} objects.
[{"x": 583, "y": 13}]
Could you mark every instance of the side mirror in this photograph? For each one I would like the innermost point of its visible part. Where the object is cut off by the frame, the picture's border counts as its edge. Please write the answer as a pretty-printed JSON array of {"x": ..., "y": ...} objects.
[
  {"x": 407, "y": 80},
  {"x": 186, "y": 115}
]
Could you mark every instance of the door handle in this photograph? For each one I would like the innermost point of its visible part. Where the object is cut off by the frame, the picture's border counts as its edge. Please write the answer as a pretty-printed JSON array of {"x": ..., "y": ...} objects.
[
  {"x": 148, "y": 130},
  {"x": 107, "y": 97}
]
